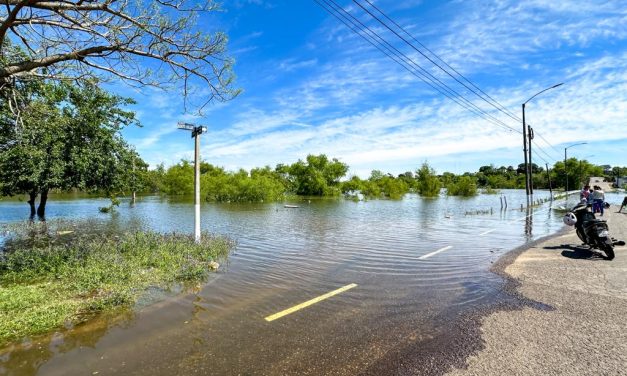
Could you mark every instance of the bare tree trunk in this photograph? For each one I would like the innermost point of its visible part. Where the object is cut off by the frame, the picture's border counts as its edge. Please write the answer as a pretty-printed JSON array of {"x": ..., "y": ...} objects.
[
  {"x": 41, "y": 210},
  {"x": 32, "y": 195}
]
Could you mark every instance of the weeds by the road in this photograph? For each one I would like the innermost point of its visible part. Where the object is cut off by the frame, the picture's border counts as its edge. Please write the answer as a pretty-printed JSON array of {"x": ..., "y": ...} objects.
[{"x": 47, "y": 281}]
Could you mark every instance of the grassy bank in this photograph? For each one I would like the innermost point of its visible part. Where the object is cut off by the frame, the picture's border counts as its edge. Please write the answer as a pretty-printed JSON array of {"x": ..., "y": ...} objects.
[{"x": 54, "y": 280}]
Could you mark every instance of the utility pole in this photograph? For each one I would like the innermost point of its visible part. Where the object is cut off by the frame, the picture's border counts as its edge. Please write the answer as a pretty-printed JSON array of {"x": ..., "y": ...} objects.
[
  {"x": 525, "y": 152},
  {"x": 548, "y": 175},
  {"x": 530, "y": 169},
  {"x": 133, "y": 197},
  {"x": 196, "y": 132}
]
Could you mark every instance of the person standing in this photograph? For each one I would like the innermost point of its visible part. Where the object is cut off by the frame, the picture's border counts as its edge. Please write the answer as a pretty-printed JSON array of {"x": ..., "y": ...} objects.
[
  {"x": 585, "y": 192},
  {"x": 623, "y": 204},
  {"x": 598, "y": 199}
]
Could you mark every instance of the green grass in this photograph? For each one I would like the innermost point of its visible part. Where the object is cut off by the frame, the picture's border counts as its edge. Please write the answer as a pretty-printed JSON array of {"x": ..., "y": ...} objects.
[{"x": 55, "y": 280}]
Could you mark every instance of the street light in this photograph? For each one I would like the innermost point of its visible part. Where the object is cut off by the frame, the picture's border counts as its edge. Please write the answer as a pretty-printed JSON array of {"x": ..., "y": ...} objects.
[
  {"x": 197, "y": 130},
  {"x": 528, "y": 171},
  {"x": 565, "y": 157}
]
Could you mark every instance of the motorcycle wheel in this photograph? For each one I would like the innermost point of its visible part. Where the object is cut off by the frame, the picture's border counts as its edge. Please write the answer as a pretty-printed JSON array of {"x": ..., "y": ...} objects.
[{"x": 608, "y": 248}]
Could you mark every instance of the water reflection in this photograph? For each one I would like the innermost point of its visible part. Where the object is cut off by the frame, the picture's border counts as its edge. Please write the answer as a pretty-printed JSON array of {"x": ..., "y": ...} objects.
[
  {"x": 27, "y": 357},
  {"x": 285, "y": 256},
  {"x": 529, "y": 222}
]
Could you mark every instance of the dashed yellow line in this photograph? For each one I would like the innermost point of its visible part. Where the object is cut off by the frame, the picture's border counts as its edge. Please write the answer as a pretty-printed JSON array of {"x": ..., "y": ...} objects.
[{"x": 310, "y": 302}]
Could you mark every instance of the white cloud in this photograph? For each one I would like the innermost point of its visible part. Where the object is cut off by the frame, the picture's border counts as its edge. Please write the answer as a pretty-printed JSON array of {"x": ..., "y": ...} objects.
[
  {"x": 590, "y": 107},
  {"x": 290, "y": 65},
  {"x": 501, "y": 32},
  {"x": 359, "y": 106}
]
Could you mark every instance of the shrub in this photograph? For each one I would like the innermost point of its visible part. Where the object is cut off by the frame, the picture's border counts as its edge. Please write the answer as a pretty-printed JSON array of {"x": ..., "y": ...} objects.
[{"x": 465, "y": 187}]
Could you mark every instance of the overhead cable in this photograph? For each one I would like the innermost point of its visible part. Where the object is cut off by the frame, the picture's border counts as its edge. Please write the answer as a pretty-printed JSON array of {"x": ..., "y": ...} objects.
[
  {"x": 406, "y": 62},
  {"x": 481, "y": 94}
]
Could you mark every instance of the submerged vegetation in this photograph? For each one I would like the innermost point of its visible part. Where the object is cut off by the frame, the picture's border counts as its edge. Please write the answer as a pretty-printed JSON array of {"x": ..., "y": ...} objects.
[
  {"x": 428, "y": 183},
  {"x": 465, "y": 186},
  {"x": 48, "y": 282},
  {"x": 318, "y": 175}
]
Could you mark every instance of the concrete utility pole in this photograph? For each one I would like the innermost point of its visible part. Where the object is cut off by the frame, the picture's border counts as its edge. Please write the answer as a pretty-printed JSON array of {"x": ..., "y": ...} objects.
[
  {"x": 530, "y": 167},
  {"x": 525, "y": 152},
  {"x": 196, "y": 132},
  {"x": 528, "y": 170},
  {"x": 134, "y": 183}
]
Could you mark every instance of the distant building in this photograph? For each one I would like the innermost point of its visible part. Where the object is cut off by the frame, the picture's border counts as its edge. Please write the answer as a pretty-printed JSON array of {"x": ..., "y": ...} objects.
[
  {"x": 621, "y": 182},
  {"x": 607, "y": 169}
]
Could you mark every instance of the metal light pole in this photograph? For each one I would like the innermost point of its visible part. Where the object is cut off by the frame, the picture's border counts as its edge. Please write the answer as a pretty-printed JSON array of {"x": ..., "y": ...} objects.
[
  {"x": 529, "y": 132},
  {"x": 197, "y": 130},
  {"x": 566, "y": 157}
]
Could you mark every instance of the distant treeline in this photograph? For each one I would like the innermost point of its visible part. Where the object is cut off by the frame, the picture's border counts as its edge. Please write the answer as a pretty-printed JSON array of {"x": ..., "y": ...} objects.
[{"x": 318, "y": 175}]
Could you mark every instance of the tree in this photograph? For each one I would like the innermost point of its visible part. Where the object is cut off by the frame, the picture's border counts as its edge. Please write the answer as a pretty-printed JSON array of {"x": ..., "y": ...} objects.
[
  {"x": 68, "y": 137},
  {"x": 142, "y": 42},
  {"x": 465, "y": 186},
  {"x": 428, "y": 183},
  {"x": 317, "y": 176}
]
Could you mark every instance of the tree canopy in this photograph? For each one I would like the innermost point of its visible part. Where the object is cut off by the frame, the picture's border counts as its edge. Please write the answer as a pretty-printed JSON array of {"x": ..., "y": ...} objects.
[
  {"x": 142, "y": 42},
  {"x": 428, "y": 183},
  {"x": 68, "y": 137},
  {"x": 317, "y": 175}
]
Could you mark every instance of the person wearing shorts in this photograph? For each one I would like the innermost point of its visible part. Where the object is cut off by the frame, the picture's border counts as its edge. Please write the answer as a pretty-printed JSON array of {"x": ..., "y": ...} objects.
[{"x": 598, "y": 199}]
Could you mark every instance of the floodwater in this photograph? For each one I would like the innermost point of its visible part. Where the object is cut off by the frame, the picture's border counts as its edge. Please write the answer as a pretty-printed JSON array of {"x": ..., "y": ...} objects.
[{"x": 418, "y": 264}]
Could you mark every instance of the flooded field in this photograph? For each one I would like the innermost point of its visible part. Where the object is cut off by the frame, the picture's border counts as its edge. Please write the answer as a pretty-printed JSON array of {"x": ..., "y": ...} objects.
[{"x": 417, "y": 264}]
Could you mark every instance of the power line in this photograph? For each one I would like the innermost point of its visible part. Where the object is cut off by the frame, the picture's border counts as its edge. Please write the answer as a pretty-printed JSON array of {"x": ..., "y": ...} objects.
[
  {"x": 410, "y": 61},
  {"x": 548, "y": 143},
  {"x": 491, "y": 100},
  {"x": 538, "y": 148},
  {"x": 377, "y": 41}
]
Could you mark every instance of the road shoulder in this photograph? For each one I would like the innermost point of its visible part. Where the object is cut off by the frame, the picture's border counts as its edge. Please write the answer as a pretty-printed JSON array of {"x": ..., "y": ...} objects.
[{"x": 579, "y": 325}]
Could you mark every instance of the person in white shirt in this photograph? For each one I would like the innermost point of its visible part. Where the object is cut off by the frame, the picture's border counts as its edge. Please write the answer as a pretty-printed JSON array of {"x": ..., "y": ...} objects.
[{"x": 598, "y": 199}]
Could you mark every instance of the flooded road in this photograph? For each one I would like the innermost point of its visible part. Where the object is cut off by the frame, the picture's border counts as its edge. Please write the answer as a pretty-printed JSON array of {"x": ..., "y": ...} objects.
[{"x": 417, "y": 265}]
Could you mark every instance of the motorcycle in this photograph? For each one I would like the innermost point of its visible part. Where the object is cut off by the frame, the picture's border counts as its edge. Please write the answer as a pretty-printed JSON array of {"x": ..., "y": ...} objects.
[{"x": 592, "y": 231}]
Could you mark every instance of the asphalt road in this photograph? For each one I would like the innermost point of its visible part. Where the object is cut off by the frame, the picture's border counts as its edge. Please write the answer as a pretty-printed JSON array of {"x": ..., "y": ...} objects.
[{"x": 582, "y": 329}]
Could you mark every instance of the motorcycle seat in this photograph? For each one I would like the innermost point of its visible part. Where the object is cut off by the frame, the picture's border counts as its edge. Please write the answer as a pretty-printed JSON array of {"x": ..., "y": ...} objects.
[{"x": 596, "y": 220}]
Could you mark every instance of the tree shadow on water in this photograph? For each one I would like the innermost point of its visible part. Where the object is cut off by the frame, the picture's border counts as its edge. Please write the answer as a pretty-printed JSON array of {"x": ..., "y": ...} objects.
[{"x": 578, "y": 252}]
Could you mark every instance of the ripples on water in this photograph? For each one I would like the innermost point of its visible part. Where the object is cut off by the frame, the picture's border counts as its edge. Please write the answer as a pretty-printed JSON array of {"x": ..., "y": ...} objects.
[
  {"x": 287, "y": 255},
  {"x": 325, "y": 243}
]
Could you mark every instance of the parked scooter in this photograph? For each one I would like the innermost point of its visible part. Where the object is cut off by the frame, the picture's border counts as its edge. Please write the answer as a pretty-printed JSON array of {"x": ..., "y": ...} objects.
[{"x": 592, "y": 231}]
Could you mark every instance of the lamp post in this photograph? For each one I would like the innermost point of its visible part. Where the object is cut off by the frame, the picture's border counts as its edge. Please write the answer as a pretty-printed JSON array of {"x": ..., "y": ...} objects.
[
  {"x": 566, "y": 157},
  {"x": 529, "y": 131},
  {"x": 197, "y": 130}
]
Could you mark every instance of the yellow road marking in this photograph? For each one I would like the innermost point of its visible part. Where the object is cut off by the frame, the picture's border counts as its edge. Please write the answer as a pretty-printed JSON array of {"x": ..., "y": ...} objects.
[{"x": 310, "y": 302}]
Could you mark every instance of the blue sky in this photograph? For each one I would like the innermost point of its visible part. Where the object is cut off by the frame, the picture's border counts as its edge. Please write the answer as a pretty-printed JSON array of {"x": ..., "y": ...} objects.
[{"x": 311, "y": 86}]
